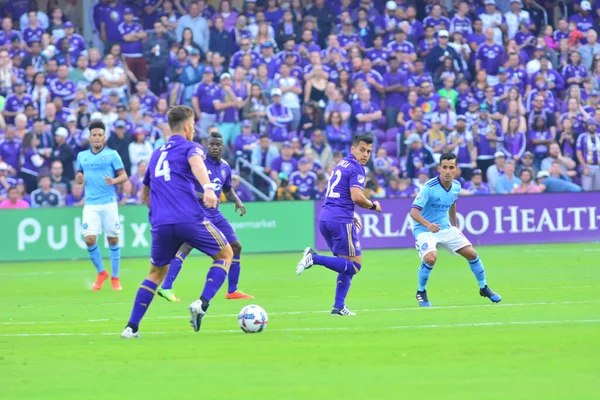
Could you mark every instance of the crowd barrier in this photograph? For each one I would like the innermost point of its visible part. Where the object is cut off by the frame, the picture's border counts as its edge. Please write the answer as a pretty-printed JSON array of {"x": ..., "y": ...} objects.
[{"x": 55, "y": 234}]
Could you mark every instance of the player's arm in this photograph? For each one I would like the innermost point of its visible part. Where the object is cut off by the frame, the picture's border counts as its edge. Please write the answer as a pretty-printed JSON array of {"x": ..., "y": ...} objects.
[
  {"x": 452, "y": 215},
  {"x": 146, "y": 195},
  {"x": 232, "y": 196},
  {"x": 359, "y": 198},
  {"x": 121, "y": 178}
]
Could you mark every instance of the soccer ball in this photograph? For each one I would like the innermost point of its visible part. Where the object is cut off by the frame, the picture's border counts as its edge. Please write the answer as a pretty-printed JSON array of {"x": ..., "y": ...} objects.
[{"x": 253, "y": 319}]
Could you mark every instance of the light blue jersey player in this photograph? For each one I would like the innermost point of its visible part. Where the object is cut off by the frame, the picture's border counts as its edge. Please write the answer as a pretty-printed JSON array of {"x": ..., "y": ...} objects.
[
  {"x": 434, "y": 212},
  {"x": 101, "y": 169}
]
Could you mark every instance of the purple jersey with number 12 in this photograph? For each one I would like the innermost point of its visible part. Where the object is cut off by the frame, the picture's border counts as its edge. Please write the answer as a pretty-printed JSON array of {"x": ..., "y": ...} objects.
[
  {"x": 169, "y": 176},
  {"x": 338, "y": 205}
]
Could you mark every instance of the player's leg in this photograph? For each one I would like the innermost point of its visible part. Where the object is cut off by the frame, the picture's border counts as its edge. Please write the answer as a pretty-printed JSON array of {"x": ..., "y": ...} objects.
[
  {"x": 342, "y": 240},
  {"x": 164, "y": 245},
  {"x": 91, "y": 226},
  {"x": 426, "y": 245},
  {"x": 233, "y": 277},
  {"x": 112, "y": 228},
  {"x": 166, "y": 289},
  {"x": 478, "y": 270},
  {"x": 343, "y": 282},
  {"x": 208, "y": 239}
]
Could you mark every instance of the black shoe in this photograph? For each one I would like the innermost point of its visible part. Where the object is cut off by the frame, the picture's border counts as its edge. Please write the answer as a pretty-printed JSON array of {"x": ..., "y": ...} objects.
[
  {"x": 422, "y": 298},
  {"x": 489, "y": 293}
]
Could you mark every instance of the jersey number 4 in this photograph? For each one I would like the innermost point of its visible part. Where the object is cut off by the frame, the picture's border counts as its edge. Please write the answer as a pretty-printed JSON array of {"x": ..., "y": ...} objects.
[
  {"x": 162, "y": 167},
  {"x": 333, "y": 182}
]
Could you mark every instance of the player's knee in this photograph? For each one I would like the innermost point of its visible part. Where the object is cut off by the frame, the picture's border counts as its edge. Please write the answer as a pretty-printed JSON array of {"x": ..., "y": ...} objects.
[
  {"x": 430, "y": 258},
  {"x": 113, "y": 241},
  {"x": 226, "y": 254},
  {"x": 469, "y": 253},
  {"x": 356, "y": 267},
  {"x": 90, "y": 240},
  {"x": 157, "y": 275},
  {"x": 236, "y": 247}
]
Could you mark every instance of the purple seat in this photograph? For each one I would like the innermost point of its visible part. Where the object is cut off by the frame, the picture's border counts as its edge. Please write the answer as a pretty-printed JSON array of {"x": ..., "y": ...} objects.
[
  {"x": 381, "y": 137},
  {"x": 392, "y": 134},
  {"x": 391, "y": 148}
]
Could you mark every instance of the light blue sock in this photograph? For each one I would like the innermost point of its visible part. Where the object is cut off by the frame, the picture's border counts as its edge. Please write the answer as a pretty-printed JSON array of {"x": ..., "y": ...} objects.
[
  {"x": 477, "y": 269},
  {"x": 96, "y": 257},
  {"x": 115, "y": 259},
  {"x": 424, "y": 272}
]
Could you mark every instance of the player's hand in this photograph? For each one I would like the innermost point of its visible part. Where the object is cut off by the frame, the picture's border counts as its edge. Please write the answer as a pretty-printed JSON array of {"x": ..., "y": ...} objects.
[
  {"x": 240, "y": 206},
  {"x": 210, "y": 199},
  {"x": 434, "y": 228},
  {"x": 79, "y": 178},
  {"x": 377, "y": 206},
  {"x": 357, "y": 224},
  {"x": 109, "y": 181}
]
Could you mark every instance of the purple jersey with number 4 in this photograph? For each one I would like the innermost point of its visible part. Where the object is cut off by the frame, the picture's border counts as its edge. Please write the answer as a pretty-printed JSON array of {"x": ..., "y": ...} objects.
[{"x": 175, "y": 213}]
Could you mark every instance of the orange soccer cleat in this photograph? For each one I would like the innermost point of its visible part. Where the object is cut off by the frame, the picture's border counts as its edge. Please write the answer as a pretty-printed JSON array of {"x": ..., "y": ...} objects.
[
  {"x": 102, "y": 276},
  {"x": 238, "y": 295},
  {"x": 116, "y": 284}
]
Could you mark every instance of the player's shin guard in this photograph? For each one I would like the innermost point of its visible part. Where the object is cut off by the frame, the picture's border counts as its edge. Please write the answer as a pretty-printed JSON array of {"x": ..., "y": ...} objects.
[
  {"x": 478, "y": 270},
  {"x": 424, "y": 272},
  {"x": 341, "y": 290},
  {"x": 174, "y": 270},
  {"x": 96, "y": 257},
  {"x": 215, "y": 278},
  {"x": 115, "y": 259},
  {"x": 338, "y": 264},
  {"x": 233, "y": 277},
  {"x": 143, "y": 298}
]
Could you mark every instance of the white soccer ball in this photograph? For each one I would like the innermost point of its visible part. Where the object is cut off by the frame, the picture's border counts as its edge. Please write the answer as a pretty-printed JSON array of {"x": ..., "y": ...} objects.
[{"x": 253, "y": 319}]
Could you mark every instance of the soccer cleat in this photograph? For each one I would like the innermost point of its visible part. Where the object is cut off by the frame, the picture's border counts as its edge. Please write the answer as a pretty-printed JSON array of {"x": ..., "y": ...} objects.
[
  {"x": 196, "y": 312},
  {"x": 422, "y": 298},
  {"x": 167, "y": 294},
  {"x": 128, "y": 333},
  {"x": 341, "y": 312},
  {"x": 306, "y": 262},
  {"x": 102, "y": 276},
  {"x": 238, "y": 295},
  {"x": 490, "y": 294},
  {"x": 116, "y": 284}
]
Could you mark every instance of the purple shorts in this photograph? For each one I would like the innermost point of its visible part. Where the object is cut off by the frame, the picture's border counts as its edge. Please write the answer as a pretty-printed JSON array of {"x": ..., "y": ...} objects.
[
  {"x": 342, "y": 239},
  {"x": 223, "y": 225},
  {"x": 167, "y": 239}
]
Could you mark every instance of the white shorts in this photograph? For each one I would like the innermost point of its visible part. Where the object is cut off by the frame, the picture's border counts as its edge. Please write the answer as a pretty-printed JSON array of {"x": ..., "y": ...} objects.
[
  {"x": 451, "y": 239},
  {"x": 98, "y": 218}
]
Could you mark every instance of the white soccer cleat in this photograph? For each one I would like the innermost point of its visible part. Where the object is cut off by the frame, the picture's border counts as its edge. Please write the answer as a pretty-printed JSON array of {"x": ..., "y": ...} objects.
[
  {"x": 196, "y": 313},
  {"x": 128, "y": 333},
  {"x": 342, "y": 312},
  {"x": 306, "y": 261}
]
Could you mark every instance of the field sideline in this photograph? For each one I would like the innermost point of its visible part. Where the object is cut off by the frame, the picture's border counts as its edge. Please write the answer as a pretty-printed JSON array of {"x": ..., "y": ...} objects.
[{"x": 59, "y": 340}]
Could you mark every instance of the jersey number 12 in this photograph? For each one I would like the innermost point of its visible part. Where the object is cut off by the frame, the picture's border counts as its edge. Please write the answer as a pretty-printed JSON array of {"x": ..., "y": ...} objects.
[
  {"x": 333, "y": 182},
  {"x": 162, "y": 167}
]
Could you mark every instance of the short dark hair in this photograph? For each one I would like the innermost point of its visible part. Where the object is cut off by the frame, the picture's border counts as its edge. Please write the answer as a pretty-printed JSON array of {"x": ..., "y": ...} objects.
[
  {"x": 177, "y": 116},
  {"x": 364, "y": 137},
  {"x": 449, "y": 157},
  {"x": 215, "y": 135},
  {"x": 264, "y": 135},
  {"x": 97, "y": 124}
]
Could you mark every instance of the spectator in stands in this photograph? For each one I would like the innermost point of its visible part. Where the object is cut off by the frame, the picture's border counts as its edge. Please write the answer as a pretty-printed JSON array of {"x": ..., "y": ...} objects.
[
  {"x": 285, "y": 163},
  {"x": 63, "y": 152},
  {"x": 304, "y": 179},
  {"x": 157, "y": 48},
  {"x": 567, "y": 165},
  {"x": 133, "y": 35},
  {"x": 279, "y": 117},
  {"x": 197, "y": 23},
  {"x": 527, "y": 162},
  {"x": 221, "y": 39},
  {"x": 139, "y": 150},
  {"x": 13, "y": 200},
  {"x": 242, "y": 191},
  {"x": 30, "y": 161},
  {"x": 119, "y": 141},
  {"x": 10, "y": 149},
  {"x": 291, "y": 89},
  {"x": 418, "y": 156},
  {"x": 264, "y": 154},
  {"x": 508, "y": 181},
  {"x": 496, "y": 170},
  {"x": 128, "y": 195},
  {"x": 285, "y": 190},
  {"x": 321, "y": 149},
  {"x": 75, "y": 198},
  {"x": 59, "y": 182},
  {"x": 550, "y": 184},
  {"x": 588, "y": 155},
  {"x": 45, "y": 196},
  {"x": 476, "y": 186},
  {"x": 527, "y": 184},
  {"x": 255, "y": 109}
]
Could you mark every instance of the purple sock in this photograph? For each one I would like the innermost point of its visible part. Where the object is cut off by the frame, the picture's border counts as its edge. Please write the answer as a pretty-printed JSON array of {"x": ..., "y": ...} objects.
[
  {"x": 143, "y": 298},
  {"x": 233, "y": 277},
  {"x": 174, "y": 270},
  {"x": 338, "y": 264},
  {"x": 341, "y": 290},
  {"x": 214, "y": 279}
]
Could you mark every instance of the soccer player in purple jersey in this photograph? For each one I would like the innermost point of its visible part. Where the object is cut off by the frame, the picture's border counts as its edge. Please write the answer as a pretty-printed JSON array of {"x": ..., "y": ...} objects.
[
  {"x": 337, "y": 223},
  {"x": 219, "y": 173},
  {"x": 176, "y": 217}
]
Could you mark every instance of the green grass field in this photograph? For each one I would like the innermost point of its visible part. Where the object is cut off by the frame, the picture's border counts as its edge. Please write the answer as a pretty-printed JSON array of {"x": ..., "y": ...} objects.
[{"x": 59, "y": 340}]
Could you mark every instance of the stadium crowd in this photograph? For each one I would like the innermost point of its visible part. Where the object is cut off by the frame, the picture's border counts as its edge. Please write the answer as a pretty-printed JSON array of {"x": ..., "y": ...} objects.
[{"x": 512, "y": 87}]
